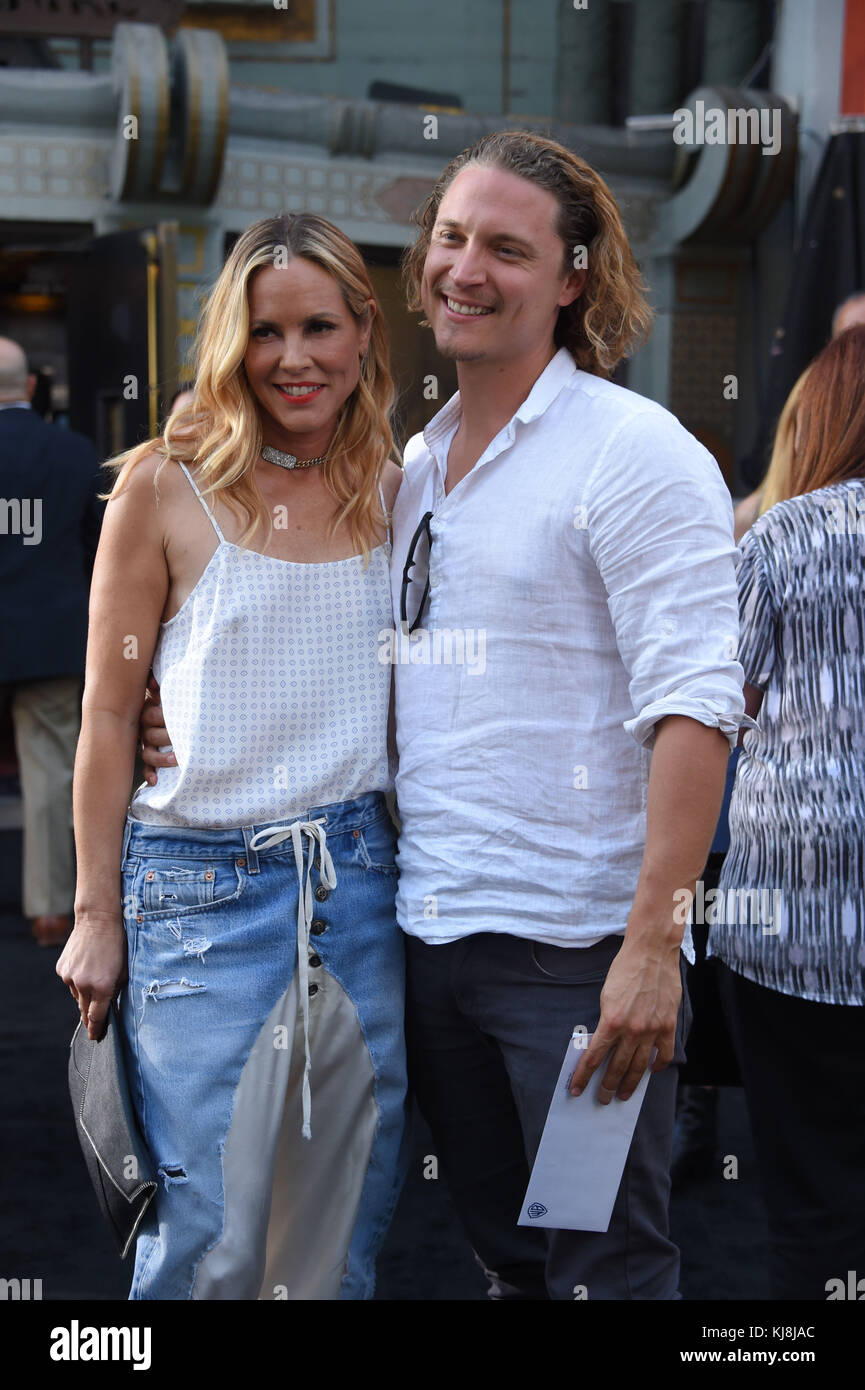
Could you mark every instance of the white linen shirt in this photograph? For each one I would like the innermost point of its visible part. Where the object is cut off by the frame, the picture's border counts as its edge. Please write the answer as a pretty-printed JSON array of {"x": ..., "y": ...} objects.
[{"x": 589, "y": 556}]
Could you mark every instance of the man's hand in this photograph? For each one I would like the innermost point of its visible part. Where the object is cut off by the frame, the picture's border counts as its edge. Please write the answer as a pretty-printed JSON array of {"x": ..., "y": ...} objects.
[
  {"x": 153, "y": 734},
  {"x": 639, "y": 1010},
  {"x": 643, "y": 989}
]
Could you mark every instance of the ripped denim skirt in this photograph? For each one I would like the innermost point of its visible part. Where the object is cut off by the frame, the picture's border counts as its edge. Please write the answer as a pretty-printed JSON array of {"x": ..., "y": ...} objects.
[{"x": 263, "y": 1026}]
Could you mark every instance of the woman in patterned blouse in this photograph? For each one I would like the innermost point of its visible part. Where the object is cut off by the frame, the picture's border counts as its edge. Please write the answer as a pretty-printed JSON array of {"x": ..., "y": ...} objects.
[{"x": 787, "y": 920}]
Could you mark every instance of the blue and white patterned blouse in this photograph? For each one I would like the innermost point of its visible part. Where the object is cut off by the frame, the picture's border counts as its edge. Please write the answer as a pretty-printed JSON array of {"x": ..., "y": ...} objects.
[{"x": 793, "y": 882}]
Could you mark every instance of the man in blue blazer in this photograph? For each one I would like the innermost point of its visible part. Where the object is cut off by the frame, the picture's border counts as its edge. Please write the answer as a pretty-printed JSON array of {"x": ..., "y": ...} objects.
[{"x": 49, "y": 526}]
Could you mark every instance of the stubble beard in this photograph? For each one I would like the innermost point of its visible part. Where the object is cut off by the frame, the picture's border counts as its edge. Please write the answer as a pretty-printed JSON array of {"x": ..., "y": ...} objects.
[
  {"x": 454, "y": 351},
  {"x": 451, "y": 351},
  {"x": 457, "y": 354}
]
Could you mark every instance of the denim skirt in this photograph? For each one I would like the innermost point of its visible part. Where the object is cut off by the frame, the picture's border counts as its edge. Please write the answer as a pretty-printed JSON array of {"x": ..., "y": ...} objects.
[{"x": 263, "y": 1027}]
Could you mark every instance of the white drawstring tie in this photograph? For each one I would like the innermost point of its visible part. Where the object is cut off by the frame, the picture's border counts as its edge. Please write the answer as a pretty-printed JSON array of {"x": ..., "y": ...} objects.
[{"x": 266, "y": 839}]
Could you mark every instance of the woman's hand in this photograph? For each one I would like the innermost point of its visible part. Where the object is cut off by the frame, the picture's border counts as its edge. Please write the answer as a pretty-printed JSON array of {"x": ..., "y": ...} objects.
[
  {"x": 153, "y": 734},
  {"x": 93, "y": 965}
]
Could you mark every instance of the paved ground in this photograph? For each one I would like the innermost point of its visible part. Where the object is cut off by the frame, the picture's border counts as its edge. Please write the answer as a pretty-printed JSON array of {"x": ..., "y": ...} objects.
[{"x": 50, "y": 1229}]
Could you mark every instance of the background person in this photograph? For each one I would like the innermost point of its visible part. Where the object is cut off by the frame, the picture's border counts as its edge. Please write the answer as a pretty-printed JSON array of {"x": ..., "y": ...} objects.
[
  {"x": 708, "y": 1042},
  {"x": 792, "y": 982},
  {"x": 775, "y": 487},
  {"x": 696, "y": 1115},
  {"x": 849, "y": 313},
  {"x": 48, "y": 486}
]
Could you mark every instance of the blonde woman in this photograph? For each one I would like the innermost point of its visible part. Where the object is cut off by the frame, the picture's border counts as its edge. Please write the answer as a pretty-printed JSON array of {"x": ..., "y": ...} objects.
[
  {"x": 775, "y": 486},
  {"x": 245, "y": 556}
]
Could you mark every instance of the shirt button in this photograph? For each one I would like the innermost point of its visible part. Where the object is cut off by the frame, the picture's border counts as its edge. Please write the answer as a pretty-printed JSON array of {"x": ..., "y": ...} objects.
[
  {"x": 434, "y": 581},
  {"x": 320, "y": 893},
  {"x": 318, "y": 927},
  {"x": 313, "y": 989},
  {"x": 314, "y": 960}
]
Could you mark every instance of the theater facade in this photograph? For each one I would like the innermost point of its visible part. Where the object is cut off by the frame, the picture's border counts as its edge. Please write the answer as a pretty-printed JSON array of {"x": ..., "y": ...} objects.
[{"x": 133, "y": 150}]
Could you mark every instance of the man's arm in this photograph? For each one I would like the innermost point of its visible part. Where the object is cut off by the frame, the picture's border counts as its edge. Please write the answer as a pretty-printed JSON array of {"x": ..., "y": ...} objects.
[
  {"x": 660, "y": 531},
  {"x": 641, "y": 995}
]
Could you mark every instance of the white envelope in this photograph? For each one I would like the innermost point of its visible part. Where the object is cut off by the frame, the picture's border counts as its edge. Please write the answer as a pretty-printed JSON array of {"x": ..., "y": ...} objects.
[{"x": 583, "y": 1150}]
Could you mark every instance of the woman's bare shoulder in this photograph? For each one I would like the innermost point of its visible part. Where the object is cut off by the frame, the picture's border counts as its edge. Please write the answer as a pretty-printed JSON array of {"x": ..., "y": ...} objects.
[
  {"x": 151, "y": 491},
  {"x": 153, "y": 473}
]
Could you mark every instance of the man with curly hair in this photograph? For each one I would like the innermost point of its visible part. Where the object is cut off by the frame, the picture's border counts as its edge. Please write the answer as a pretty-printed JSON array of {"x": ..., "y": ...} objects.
[{"x": 558, "y": 795}]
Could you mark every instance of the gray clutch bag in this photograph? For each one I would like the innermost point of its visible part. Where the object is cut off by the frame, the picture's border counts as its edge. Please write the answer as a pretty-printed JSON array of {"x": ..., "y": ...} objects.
[{"x": 118, "y": 1161}]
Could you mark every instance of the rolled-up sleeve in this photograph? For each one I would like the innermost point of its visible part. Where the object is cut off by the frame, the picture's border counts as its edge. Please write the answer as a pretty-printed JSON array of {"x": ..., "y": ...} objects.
[{"x": 660, "y": 525}]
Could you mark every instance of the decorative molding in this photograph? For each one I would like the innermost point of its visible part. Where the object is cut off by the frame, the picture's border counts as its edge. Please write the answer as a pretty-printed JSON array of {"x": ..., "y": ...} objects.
[
  {"x": 139, "y": 66},
  {"x": 260, "y": 185},
  {"x": 199, "y": 80},
  {"x": 46, "y": 170},
  {"x": 402, "y": 195}
]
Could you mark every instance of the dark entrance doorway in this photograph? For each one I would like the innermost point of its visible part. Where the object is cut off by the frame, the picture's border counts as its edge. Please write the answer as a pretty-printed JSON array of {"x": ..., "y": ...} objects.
[{"x": 122, "y": 335}]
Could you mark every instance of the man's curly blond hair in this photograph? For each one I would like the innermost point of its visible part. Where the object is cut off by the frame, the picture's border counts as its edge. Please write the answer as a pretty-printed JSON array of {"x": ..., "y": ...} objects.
[{"x": 611, "y": 317}]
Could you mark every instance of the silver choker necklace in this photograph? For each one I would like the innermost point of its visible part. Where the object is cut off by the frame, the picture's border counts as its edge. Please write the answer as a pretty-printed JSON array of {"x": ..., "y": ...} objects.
[{"x": 289, "y": 460}]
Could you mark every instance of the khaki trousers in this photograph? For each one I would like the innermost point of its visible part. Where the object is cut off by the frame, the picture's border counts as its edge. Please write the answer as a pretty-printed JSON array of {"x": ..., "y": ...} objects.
[{"x": 46, "y": 715}]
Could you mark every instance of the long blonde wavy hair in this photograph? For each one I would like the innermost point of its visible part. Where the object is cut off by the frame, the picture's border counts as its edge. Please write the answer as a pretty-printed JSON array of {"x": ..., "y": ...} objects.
[
  {"x": 611, "y": 317},
  {"x": 219, "y": 430},
  {"x": 777, "y": 485}
]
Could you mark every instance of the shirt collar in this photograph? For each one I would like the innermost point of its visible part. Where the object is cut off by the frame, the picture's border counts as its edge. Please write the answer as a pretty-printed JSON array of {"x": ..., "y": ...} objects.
[
  {"x": 558, "y": 370},
  {"x": 15, "y": 405}
]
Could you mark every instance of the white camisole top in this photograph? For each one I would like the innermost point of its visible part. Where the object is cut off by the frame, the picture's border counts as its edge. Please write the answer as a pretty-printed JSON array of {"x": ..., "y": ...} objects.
[{"x": 274, "y": 695}]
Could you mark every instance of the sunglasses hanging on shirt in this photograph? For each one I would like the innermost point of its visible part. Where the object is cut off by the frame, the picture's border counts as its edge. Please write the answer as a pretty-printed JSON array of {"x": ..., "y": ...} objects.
[{"x": 415, "y": 584}]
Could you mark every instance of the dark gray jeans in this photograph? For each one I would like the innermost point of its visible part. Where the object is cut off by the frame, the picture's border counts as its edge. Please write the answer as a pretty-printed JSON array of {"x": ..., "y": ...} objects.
[{"x": 488, "y": 1021}]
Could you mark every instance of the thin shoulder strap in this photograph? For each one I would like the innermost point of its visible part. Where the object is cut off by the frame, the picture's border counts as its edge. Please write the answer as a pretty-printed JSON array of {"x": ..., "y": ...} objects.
[
  {"x": 386, "y": 512},
  {"x": 214, "y": 523}
]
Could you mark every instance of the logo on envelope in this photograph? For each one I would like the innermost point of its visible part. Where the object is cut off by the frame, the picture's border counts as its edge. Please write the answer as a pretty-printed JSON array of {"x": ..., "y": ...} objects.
[{"x": 537, "y": 1209}]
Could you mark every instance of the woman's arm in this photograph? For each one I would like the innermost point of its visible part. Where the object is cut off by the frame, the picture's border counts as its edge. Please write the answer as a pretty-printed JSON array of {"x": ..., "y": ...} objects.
[
  {"x": 127, "y": 598},
  {"x": 753, "y": 701},
  {"x": 745, "y": 513}
]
